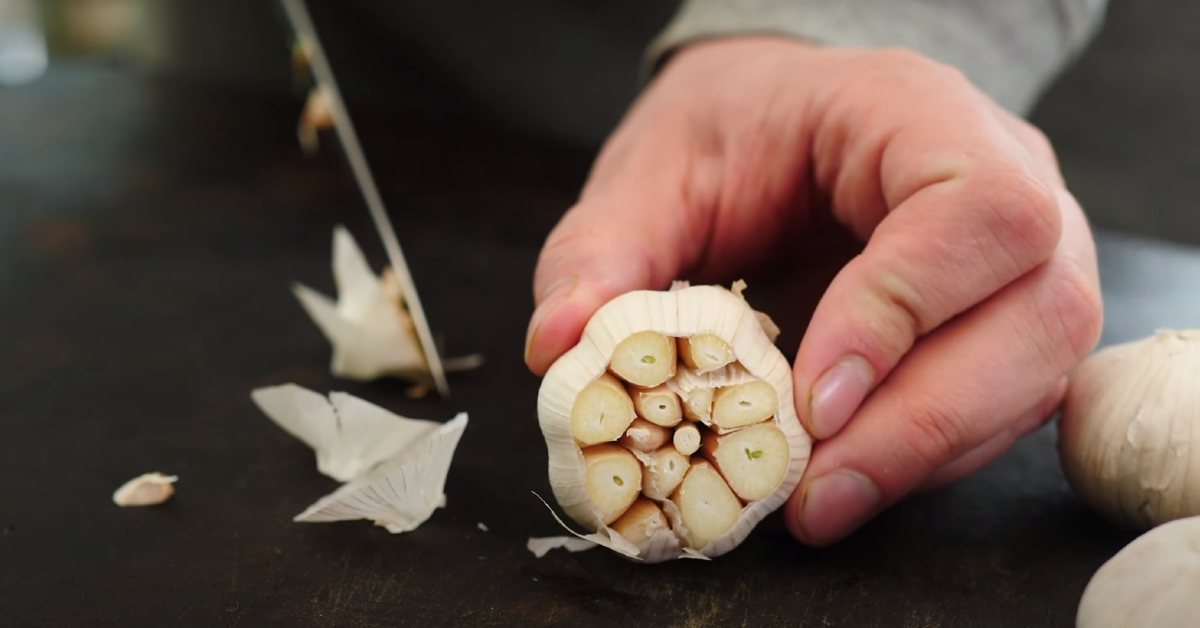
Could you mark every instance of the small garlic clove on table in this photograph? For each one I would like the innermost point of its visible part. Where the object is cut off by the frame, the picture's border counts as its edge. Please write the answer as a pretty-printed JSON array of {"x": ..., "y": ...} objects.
[{"x": 624, "y": 462}]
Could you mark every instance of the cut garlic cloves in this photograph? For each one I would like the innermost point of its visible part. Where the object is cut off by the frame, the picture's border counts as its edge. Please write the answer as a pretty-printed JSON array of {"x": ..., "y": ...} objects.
[
  {"x": 657, "y": 405},
  {"x": 744, "y": 404},
  {"x": 148, "y": 489},
  {"x": 613, "y": 479},
  {"x": 643, "y": 435},
  {"x": 602, "y": 412},
  {"x": 664, "y": 473},
  {"x": 704, "y": 352},
  {"x": 699, "y": 353},
  {"x": 753, "y": 460},
  {"x": 686, "y": 439},
  {"x": 708, "y": 509},
  {"x": 645, "y": 359}
]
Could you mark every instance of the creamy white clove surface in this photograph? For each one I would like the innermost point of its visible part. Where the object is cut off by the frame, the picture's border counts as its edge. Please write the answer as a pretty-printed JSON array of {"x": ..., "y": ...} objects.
[
  {"x": 1154, "y": 581},
  {"x": 670, "y": 427},
  {"x": 1130, "y": 431}
]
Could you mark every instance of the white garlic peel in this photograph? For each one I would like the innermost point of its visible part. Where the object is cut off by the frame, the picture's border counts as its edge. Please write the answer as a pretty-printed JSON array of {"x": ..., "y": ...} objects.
[
  {"x": 1154, "y": 581},
  {"x": 400, "y": 494},
  {"x": 539, "y": 546},
  {"x": 148, "y": 489},
  {"x": 683, "y": 312},
  {"x": 371, "y": 331},
  {"x": 1130, "y": 430},
  {"x": 394, "y": 467}
]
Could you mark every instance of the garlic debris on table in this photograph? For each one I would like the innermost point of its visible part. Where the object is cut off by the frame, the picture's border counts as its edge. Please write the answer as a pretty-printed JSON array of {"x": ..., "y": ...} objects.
[
  {"x": 539, "y": 546},
  {"x": 670, "y": 426},
  {"x": 1130, "y": 430},
  {"x": 369, "y": 327},
  {"x": 148, "y": 489},
  {"x": 394, "y": 467},
  {"x": 1154, "y": 581}
]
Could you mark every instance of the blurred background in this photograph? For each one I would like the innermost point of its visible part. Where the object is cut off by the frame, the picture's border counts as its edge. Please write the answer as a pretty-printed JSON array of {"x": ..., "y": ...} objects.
[{"x": 1133, "y": 96}]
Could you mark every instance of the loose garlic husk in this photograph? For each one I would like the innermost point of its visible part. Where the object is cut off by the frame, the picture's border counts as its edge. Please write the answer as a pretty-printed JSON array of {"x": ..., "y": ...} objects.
[
  {"x": 1130, "y": 431},
  {"x": 1154, "y": 581},
  {"x": 696, "y": 353}
]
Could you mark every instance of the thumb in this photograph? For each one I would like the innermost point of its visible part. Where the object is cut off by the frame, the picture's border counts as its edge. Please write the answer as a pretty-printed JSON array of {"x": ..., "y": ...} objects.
[{"x": 606, "y": 245}]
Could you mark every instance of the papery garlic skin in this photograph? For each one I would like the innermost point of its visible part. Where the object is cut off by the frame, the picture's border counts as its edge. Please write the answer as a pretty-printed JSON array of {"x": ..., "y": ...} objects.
[
  {"x": 1130, "y": 430},
  {"x": 679, "y": 313},
  {"x": 1154, "y": 581}
]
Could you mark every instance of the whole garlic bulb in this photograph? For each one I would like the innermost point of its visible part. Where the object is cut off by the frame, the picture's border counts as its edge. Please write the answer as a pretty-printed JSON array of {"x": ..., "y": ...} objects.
[
  {"x": 1130, "y": 431},
  {"x": 670, "y": 426},
  {"x": 1154, "y": 581}
]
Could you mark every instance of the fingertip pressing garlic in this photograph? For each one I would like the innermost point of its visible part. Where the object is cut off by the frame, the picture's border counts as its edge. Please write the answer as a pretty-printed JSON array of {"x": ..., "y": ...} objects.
[
  {"x": 1154, "y": 581},
  {"x": 1130, "y": 430},
  {"x": 646, "y": 361}
]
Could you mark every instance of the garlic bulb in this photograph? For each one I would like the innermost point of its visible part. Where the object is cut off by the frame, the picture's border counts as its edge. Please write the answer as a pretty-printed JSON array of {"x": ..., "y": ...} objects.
[
  {"x": 1130, "y": 431},
  {"x": 1154, "y": 581},
  {"x": 670, "y": 427}
]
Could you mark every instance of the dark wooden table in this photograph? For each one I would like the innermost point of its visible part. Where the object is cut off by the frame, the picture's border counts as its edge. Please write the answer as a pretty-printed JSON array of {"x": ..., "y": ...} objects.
[{"x": 148, "y": 233}]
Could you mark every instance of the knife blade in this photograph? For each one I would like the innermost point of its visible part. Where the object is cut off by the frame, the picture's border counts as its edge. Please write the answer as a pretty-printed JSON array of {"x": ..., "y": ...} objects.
[{"x": 306, "y": 33}]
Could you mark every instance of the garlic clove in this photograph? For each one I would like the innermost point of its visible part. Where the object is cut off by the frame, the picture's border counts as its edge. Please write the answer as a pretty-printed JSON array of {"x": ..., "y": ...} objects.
[
  {"x": 664, "y": 473},
  {"x": 646, "y": 359},
  {"x": 686, "y": 439},
  {"x": 1153, "y": 581},
  {"x": 743, "y": 404},
  {"x": 657, "y": 405},
  {"x": 645, "y": 436},
  {"x": 753, "y": 460},
  {"x": 704, "y": 352},
  {"x": 602, "y": 412},
  {"x": 148, "y": 489},
  {"x": 708, "y": 508},
  {"x": 642, "y": 523},
  {"x": 613, "y": 479}
]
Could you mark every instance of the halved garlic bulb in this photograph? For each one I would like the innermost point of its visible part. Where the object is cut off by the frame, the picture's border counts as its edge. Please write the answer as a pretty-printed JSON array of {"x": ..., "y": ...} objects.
[
  {"x": 626, "y": 464},
  {"x": 1130, "y": 431}
]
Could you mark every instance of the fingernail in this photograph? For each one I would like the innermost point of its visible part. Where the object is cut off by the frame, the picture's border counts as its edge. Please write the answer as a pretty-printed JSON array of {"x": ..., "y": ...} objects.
[
  {"x": 837, "y": 394},
  {"x": 837, "y": 503},
  {"x": 555, "y": 293}
]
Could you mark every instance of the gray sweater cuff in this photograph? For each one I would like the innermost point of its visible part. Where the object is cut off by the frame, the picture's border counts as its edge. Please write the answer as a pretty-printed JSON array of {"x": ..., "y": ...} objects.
[{"x": 1010, "y": 48}]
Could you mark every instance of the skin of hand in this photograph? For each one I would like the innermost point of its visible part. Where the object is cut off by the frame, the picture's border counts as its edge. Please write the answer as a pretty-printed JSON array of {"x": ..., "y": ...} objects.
[{"x": 947, "y": 338}]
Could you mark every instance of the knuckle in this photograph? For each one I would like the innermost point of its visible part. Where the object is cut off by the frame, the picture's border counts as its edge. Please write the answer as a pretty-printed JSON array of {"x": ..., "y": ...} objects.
[
  {"x": 1022, "y": 215},
  {"x": 933, "y": 435}
]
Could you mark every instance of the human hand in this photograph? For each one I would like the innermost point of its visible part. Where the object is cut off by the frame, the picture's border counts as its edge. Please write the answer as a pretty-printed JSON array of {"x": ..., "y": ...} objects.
[{"x": 933, "y": 350}]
